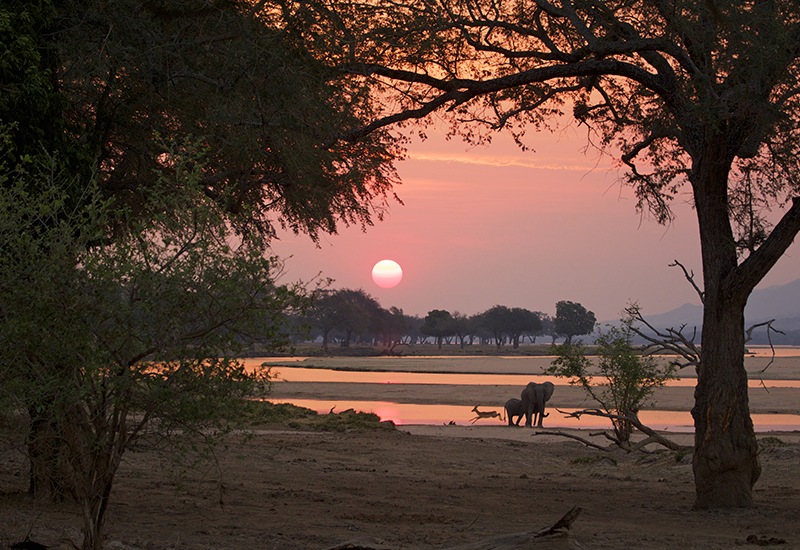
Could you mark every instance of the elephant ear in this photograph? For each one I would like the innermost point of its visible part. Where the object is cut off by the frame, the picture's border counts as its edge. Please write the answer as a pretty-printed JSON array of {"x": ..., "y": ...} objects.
[{"x": 549, "y": 388}]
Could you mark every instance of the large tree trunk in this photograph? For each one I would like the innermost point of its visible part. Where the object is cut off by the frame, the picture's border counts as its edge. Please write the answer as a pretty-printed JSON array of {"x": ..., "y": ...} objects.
[
  {"x": 726, "y": 451},
  {"x": 725, "y": 459}
]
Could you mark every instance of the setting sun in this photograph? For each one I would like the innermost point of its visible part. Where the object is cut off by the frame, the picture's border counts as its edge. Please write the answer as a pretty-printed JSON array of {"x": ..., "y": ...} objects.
[{"x": 387, "y": 274}]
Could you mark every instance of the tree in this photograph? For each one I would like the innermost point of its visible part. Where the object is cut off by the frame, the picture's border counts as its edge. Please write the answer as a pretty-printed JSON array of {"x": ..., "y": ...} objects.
[
  {"x": 439, "y": 324},
  {"x": 95, "y": 84},
  {"x": 113, "y": 75},
  {"x": 391, "y": 324},
  {"x": 689, "y": 94},
  {"x": 348, "y": 310},
  {"x": 548, "y": 327},
  {"x": 496, "y": 320},
  {"x": 522, "y": 321},
  {"x": 630, "y": 378},
  {"x": 141, "y": 334},
  {"x": 573, "y": 319},
  {"x": 462, "y": 326}
]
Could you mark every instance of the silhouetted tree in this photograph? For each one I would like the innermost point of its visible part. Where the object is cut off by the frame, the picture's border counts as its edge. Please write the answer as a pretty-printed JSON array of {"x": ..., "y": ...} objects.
[
  {"x": 573, "y": 319},
  {"x": 462, "y": 326},
  {"x": 439, "y": 324},
  {"x": 391, "y": 324},
  {"x": 497, "y": 320},
  {"x": 522, "y": 321},
  {"x": 345, "y": 309}
]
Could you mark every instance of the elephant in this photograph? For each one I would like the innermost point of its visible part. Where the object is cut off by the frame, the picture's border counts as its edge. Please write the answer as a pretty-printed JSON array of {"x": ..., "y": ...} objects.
[
  {"x": 534, "y": 397},
  {"x": 514, "y": 408}
]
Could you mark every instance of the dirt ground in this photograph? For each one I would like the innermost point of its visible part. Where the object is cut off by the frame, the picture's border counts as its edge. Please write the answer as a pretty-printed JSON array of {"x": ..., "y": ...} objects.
[
  {"x": 417, "y": 487},
  {"x": 436, "y": 488}
]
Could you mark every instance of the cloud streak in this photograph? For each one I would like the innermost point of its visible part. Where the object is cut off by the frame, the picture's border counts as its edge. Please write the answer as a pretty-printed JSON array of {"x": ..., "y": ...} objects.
[{"x": 502, "y": 162}]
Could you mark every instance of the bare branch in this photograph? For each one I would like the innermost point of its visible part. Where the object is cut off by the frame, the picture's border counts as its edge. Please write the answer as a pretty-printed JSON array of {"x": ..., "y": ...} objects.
[
  {"x": 671, "y": 341},
  {"x": 690, "y": 277},
  {"x": 655, "y": 437},
  {"x": 770, "y": 328}
]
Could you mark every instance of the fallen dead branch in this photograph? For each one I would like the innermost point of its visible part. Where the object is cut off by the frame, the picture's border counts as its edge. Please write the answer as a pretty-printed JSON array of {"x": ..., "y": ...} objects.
[
  {"x": 653, "y": 436},
  {"x": 555, "y": 537}
]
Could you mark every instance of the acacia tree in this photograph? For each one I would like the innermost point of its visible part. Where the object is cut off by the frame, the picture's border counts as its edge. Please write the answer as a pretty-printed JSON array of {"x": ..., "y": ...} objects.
[
  {"x": 522, "y": 321},
  {"x": 95, "y": 83},
  {"x": 628, "y": 378},
  {"x": 690, "y": 94}
]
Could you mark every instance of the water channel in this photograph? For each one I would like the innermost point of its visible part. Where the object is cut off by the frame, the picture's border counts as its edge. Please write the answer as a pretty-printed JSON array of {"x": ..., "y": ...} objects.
[{"x": 403, "y": 413}]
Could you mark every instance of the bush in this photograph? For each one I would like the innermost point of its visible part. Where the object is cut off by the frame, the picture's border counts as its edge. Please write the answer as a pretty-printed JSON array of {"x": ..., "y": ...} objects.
[{"x": 627, "y": 379}]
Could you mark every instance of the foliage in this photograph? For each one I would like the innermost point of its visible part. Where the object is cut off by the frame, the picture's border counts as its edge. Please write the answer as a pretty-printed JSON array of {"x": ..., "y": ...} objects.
[
  {"x": 97, "y": 81},
  {"x": 391, "y": 324},
  {"x": 628, "y": 378},
  {"x": 257, "y": 412},
  {"x": 503, "y": 321},
  {"x": 572, "y": 319},
  {"x": 261, "y": 412},
  {"x": 439, "y": 324},
  {"x": 345, "y": 421},
  {"x": 107, "y": 341},
  {"x": 348, "y": 310}
]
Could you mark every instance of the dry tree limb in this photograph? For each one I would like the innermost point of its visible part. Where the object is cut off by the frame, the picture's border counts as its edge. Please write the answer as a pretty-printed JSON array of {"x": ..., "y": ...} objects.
[
  {"x": 654, "y": 437},
  {"x": 671, "y": 341},
  {"x": 690, "y": 277},
  {"x": 770, "y": 329}
]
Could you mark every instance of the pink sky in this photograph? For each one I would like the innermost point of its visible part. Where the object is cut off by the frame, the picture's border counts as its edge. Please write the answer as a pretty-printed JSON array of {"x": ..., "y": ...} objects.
[{"x": 495, "y": 225}]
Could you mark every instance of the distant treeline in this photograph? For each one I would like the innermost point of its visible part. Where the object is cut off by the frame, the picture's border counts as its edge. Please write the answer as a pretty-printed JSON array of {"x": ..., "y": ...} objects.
[{"x": 347, "y": 316}]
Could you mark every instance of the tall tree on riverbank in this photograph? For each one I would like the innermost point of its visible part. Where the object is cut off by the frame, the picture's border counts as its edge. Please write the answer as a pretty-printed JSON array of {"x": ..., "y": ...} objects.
[{"x": 689, "y": 94}]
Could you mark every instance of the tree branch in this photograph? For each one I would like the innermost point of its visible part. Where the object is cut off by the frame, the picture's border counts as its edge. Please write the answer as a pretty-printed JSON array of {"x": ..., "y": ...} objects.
[
  {"x": 653, "y": 436},
  {"x": 690, "y": 277}
]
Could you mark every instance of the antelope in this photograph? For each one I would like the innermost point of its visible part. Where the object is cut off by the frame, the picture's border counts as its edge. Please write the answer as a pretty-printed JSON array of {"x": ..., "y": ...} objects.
[{"x": 484, "y": 414}]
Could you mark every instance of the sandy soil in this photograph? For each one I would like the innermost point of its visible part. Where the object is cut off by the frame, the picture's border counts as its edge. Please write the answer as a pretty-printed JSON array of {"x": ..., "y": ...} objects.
[{"x": 425, "y": 487}]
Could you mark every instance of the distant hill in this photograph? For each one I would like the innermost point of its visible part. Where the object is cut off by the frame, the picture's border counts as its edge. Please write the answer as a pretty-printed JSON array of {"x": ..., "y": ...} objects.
[{"x": 779, "y": 302}]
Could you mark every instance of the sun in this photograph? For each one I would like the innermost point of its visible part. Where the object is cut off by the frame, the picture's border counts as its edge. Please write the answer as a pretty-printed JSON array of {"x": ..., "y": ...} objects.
[{"x": 387, "y": 274}]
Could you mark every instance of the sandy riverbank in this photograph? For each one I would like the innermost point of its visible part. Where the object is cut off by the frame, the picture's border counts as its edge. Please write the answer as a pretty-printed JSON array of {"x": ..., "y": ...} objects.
[{"x": 421, "y": 487}]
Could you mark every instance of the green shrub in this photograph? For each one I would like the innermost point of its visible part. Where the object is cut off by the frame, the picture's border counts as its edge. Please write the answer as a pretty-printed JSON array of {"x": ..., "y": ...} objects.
[{"x": 627, "y": 379}]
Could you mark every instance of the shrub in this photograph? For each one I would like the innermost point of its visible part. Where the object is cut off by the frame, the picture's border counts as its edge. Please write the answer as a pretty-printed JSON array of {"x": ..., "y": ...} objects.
[{"x": 627, "y": 379}]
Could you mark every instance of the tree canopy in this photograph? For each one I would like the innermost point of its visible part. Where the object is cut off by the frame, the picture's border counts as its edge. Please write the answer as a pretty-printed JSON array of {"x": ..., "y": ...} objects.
[
  {"x": 573, "y": 319},
  {"x": 439, "y": 323},
  {"x": 231, "y": 76},
  {"x": 105, "y": 343}
]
